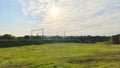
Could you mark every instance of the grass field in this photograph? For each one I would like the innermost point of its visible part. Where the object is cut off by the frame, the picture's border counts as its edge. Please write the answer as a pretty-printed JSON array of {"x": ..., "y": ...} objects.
[{"x": 61, "y": 55}]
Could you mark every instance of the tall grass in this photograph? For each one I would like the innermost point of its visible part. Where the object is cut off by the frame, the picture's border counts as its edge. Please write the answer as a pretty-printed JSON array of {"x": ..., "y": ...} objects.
[{"x": 61, "y": 55}]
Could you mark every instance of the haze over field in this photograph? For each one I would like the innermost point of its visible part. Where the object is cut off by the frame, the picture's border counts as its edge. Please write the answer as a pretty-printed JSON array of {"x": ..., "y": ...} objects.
[{"x": 81, "y": 17}]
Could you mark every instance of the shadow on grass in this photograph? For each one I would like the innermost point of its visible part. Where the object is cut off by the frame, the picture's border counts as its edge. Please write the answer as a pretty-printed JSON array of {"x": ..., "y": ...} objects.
[{"x": 106, "y": 57}]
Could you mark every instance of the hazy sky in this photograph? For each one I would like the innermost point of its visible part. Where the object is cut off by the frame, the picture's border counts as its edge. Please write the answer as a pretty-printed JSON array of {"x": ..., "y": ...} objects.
[{"x": 76, "y": 17}]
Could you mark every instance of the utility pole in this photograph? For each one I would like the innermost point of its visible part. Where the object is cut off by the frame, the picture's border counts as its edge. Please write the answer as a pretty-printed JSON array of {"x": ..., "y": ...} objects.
[
  {"x": 31, "y": 32},
  {"x": 57, "y": 33},
  {"x": 64, "y": 35},
  {"x": 42, "y": 32}
]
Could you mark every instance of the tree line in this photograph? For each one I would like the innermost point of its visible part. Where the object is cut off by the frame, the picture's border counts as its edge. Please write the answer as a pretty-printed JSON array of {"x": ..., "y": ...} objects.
[
  {"x": 88, "y": 38},
  {"x": 8, "y": 40}
]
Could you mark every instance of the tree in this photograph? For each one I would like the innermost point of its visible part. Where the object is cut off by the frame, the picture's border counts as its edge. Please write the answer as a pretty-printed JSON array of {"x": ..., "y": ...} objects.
[
  {"x": 115, "y": 39},
  {"x": 26, "y": 37},
  {"x": 8, "y": 36}
]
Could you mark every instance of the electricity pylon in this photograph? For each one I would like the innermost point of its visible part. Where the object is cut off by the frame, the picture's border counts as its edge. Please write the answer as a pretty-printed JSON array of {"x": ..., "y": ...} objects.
[{"x": 38, "y": 30}]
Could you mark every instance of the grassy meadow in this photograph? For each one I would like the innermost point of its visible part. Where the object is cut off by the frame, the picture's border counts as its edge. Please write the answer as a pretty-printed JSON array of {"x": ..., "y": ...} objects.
[{"x": 61, "y": 55}]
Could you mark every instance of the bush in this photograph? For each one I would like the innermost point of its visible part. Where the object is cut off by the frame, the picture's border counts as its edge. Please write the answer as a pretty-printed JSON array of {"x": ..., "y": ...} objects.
[{"x": 115, "y": 39}]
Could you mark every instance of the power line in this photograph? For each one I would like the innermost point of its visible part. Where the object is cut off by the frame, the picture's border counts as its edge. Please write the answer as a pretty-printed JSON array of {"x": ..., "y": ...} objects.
[{"x": 38, "y": 30}]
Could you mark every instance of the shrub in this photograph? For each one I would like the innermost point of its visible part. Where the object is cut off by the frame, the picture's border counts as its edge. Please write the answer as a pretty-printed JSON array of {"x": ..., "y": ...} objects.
[{"x": 115, "y": 39}]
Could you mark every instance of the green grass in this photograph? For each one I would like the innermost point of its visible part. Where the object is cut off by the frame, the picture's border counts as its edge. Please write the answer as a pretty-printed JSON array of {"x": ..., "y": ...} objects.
[{"x": 61, "y": 55}]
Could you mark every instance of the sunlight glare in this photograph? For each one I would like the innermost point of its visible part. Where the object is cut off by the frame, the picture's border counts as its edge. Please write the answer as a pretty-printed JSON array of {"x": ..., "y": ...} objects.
[{"x": 54, "y": 11}]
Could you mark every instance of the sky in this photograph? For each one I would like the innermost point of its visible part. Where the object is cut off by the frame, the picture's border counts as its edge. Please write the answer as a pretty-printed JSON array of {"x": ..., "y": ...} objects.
[{"x": 75, "y": 17}]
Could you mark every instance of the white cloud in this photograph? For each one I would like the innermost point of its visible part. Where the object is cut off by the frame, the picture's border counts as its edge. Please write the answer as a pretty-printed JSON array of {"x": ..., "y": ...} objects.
[{"x": 77, "y": 16}]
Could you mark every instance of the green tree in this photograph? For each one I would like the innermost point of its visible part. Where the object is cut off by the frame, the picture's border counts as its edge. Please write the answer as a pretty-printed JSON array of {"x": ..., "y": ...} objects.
[
  {"x": 115, "y": 39},
  {"x": 8, "y": 36},
  {"x": 26, "y": 37}
]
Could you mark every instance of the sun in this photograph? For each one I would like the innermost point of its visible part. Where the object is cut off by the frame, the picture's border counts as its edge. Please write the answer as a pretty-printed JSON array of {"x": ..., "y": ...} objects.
[{"x": 54, "y": 11}]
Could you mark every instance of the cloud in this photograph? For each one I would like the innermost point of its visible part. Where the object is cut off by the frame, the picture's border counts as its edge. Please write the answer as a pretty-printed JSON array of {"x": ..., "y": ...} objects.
[{"x": 82, "y": 17}]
